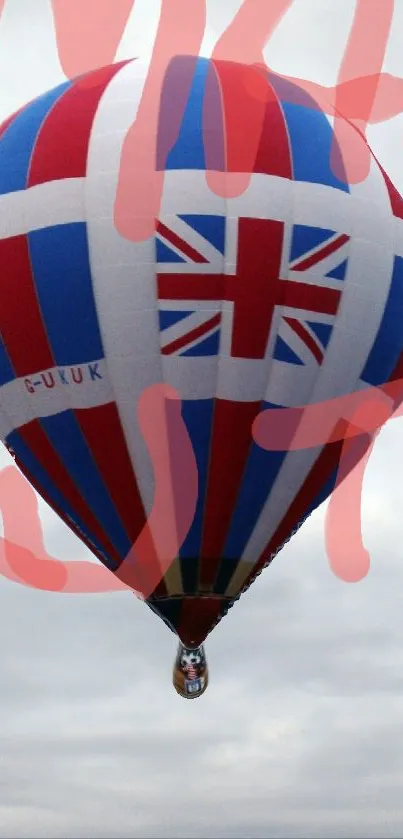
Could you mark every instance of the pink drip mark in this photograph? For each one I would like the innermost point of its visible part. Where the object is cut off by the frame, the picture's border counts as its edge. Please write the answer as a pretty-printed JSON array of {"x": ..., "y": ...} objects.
[
  {"x": 88, "y": 35},
  {"x": 311, "y": 426},
  {"x": 140, "y": 185},
  {"x": 363, "y": 57},
  {"x": 23, "y": 556},
  {"x": 363, "y": 94},
  {"x": 293, "y": 429},
  {"x": 244, "y": 91},
  {"x": 176, "y": 482},
  {"x": 88, "y": 32},
  {"x": 24, "y": 559},
  {"x": 347, "y": 556},
  {"x": 388, "y": 101}
]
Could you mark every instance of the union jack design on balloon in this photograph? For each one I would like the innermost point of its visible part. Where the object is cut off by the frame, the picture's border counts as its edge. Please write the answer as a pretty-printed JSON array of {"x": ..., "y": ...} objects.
[
  {"x": 306, "y": 315},
  {"x": 288, "y": 294}
]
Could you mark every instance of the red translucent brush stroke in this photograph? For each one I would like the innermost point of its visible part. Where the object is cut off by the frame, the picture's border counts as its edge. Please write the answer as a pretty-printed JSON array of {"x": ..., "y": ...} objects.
[
  {"x": 89, "y": 32},
  {"x": 24, "y": 558},
  {"x": 140, "y": 184},
  {"x": 293, "y": 429},
  {"x": 363, "y": 58}
]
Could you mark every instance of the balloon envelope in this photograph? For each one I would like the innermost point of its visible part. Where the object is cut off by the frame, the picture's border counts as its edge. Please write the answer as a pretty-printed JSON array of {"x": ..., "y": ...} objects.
[{"x": 285, "y": 295}]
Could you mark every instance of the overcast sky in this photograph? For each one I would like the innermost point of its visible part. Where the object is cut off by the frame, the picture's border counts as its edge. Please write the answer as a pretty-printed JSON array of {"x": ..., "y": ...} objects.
[{"x": 300, "y": 732}]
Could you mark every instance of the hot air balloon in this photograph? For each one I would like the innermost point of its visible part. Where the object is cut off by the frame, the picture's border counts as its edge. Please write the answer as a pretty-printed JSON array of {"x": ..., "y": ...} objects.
[{"x": 286, "y": 294}]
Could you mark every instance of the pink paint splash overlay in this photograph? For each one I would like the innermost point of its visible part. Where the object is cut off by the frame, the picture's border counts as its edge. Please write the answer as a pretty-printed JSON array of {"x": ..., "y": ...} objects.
[
  {"x": 243, "y": 103},
  {"x": 308, "y": 426},
  {"x": 88, "y": 35},
  {"x": 24, "y": 559},
  {"x": 363, "y": 58},
  {"x": 347, "y": 555},
  {"x": 140, "y": 184},
  {"x": 88, "y": 32},
  {"x": 176, "y": 490},
  {"x": 23, "y": 556},
  {"x": 293, "y": 429}
]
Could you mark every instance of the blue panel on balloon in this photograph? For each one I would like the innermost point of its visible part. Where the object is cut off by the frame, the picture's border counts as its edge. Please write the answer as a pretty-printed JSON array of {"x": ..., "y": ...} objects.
[
  {"x": 69, "y": 442},
  {"x": 306, "y": 238},
  {"x": 260, "y": 474},
  {"x": 388, "y": 345},
  {"x": 6, "y": 369},
  {"x": 198, "y": 417},
  {"x": 316, "y": 157},
  {"x": 188, "y": 151},
  {"x": 51, "y": 491},
  {"x": 62, "y": 275},
  {"x": 211, "y": 228}
]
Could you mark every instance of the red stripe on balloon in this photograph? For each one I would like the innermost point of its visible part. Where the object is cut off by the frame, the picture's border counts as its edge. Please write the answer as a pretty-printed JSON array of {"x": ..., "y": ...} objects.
[
  {"x": 230, "y": 447},
  {"x": 198, "y": 332},
  {"x": 28, "y": 349},
  {"x": 61, "y": 148},
  {"x": 180, "y": 243},
  {"x": 396, "y": 200},
  {"x": 198, "y": 615},
  {"x": 306, "y": 337},
  {"x": 274, "y": 152},
  {"x": 325, "y": 251},
  {"x": 105, "y": 439},
  {"x": 37, "y": 441},
  {"x": 250, "y": 108}
]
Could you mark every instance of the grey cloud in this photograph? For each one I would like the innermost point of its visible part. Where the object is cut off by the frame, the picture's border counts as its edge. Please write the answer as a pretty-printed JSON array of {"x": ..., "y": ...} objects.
[{"x": 297, "y": 735}]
